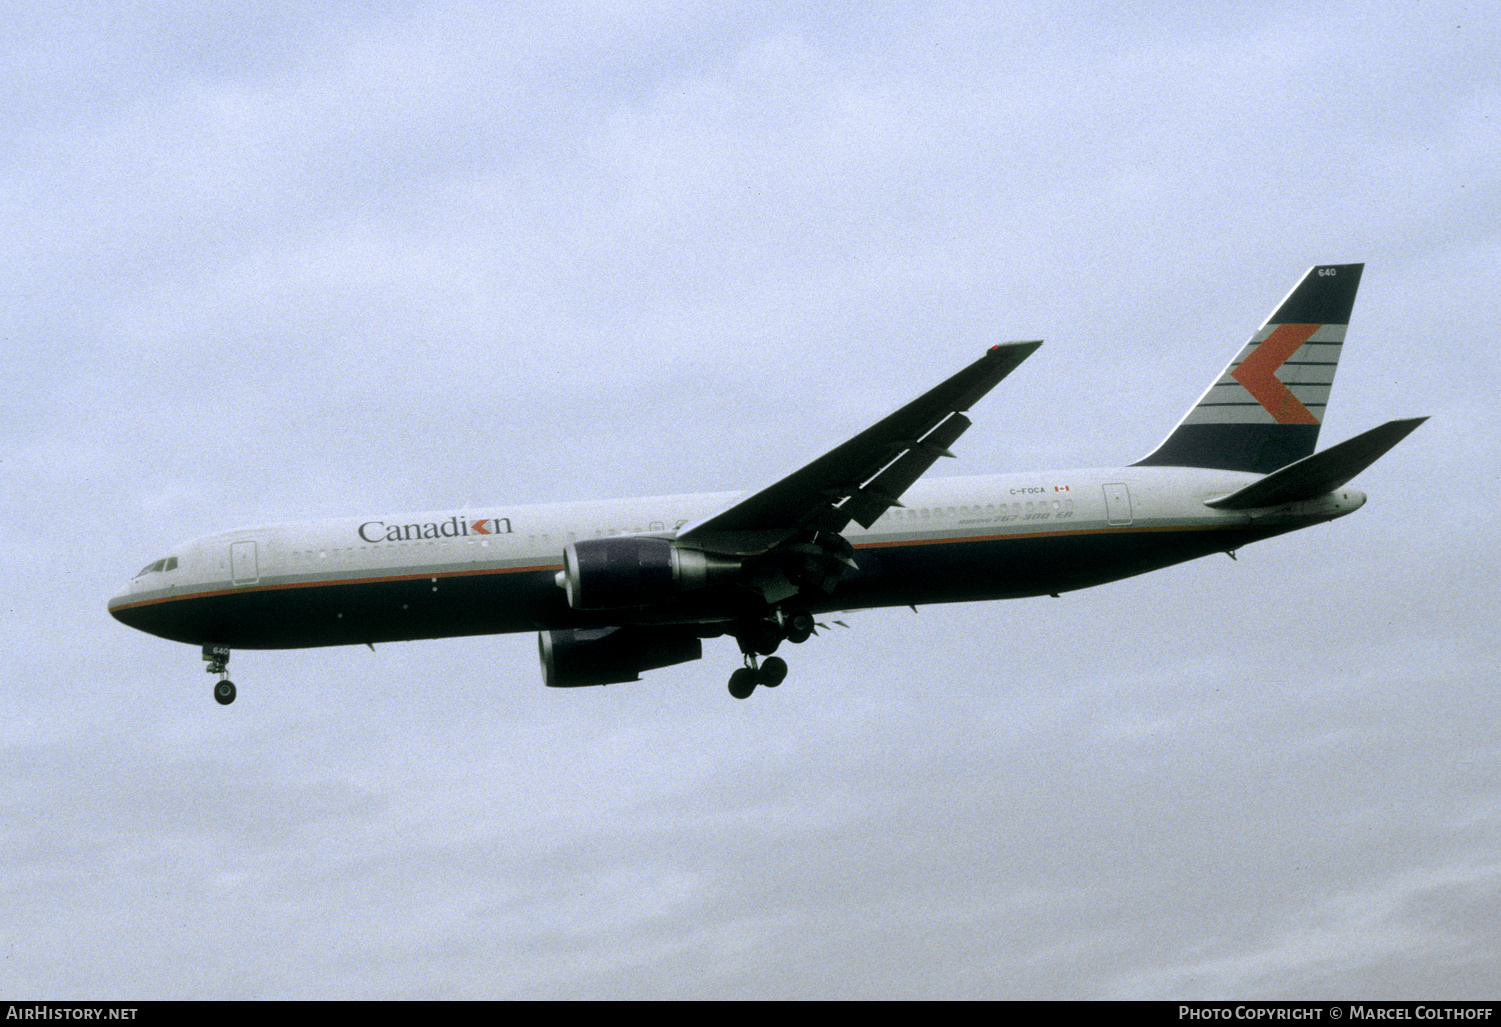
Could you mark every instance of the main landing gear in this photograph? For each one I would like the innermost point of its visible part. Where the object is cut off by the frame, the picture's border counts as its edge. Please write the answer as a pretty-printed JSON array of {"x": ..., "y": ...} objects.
[
  {"x": 771, "y": 673},
  {"x": 761, "y": 638},
  {"x": 217, "y": 658}
]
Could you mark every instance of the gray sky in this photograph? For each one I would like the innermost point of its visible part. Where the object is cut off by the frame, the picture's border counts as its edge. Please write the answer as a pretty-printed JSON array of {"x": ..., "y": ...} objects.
[{"x": 272, "y": 262}]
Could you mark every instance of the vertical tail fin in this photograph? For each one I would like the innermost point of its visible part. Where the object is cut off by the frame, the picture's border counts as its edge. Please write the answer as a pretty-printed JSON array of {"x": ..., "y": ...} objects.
[{"x": 1264, "y": 411}]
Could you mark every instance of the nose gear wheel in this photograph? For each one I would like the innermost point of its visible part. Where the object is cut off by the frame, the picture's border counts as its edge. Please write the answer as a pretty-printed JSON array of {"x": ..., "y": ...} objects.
[{"x": 217, "y": 658}]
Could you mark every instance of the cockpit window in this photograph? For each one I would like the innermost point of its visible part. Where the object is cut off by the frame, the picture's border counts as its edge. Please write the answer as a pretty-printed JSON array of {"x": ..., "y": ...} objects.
[{"x": 166, "y": 563}]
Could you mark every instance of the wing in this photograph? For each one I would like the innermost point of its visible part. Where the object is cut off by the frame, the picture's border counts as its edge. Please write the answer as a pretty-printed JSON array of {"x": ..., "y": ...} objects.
[{"x": 859, "y": 480}]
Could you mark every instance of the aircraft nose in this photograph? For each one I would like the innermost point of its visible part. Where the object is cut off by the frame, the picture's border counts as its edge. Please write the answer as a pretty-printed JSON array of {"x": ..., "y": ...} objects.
[
  {"x": 123, "y": 604},
  {"x": 117, "y": 602},
  {"x": 149, "y": 617}
]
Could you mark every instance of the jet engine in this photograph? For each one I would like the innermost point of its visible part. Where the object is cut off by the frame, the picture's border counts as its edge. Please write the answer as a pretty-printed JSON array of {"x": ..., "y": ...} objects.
[
  {"x": 610, "y": 573},
  {"x": 607, "y": 656}
]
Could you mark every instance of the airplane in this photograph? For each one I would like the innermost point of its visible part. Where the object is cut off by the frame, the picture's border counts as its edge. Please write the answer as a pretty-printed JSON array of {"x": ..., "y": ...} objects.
[{"x": 621, "y": 587}]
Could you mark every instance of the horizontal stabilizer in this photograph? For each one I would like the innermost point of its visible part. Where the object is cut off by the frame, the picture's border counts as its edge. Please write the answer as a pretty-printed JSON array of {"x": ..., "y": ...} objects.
[{"x": 1321, "y": 473}]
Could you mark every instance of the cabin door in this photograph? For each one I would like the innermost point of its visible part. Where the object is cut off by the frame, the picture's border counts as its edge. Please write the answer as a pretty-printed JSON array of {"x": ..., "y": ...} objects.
[
  {"x": 244, "y": 568},
  {"x": 1118, "y": 503}
]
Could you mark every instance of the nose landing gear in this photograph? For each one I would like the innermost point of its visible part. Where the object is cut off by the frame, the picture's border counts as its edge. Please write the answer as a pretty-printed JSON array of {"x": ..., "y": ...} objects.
[{"x": 217, "y": 658}]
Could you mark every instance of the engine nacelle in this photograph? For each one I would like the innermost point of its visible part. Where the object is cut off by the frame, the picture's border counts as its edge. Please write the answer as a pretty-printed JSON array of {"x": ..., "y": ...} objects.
[
  {"x": 612, "y": 573},
  {"x": 607, "y": 656}
]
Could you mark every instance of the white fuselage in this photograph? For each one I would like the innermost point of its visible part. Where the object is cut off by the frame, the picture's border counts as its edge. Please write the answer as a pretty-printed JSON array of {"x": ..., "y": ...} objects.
[{"x": 382, "y": 577}]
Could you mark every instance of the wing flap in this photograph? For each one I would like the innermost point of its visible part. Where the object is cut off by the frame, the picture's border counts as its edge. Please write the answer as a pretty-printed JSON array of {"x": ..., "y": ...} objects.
[{"x": 884, "y": 491}]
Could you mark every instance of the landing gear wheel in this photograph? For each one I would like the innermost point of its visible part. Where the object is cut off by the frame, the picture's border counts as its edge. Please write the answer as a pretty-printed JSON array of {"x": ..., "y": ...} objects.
[
  {"x": 799, "y": 625},
  {"x": 773, "y": 671},
  {"x": 764, "y": 637},
  {"x": 743, "y": 683},
  {"x": 217, "y": 658}
]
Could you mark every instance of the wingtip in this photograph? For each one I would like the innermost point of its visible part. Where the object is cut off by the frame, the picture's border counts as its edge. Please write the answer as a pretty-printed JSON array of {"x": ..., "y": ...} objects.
[
  {"x": 1017, "y": 351},
  {"x": 1404, "y": 426}
]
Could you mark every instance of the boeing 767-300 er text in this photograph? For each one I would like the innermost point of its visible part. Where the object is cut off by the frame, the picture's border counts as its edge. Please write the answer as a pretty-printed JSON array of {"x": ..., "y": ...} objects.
[{"x": 620, "y": 587}]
